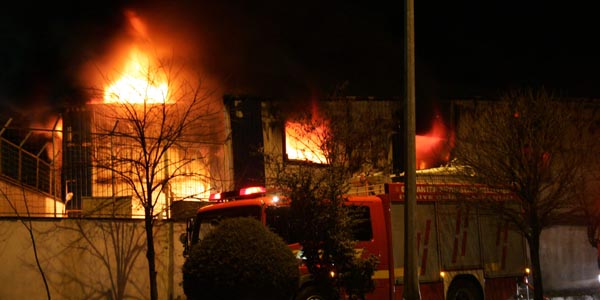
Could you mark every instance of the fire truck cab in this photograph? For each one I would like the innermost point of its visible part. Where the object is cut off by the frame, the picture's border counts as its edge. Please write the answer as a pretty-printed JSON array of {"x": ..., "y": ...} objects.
[{"x": 463, "y": 253}]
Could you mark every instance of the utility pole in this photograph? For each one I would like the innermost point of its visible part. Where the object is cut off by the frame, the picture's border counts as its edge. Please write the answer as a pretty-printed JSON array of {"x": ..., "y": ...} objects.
[{"x": 411, "y": 279}]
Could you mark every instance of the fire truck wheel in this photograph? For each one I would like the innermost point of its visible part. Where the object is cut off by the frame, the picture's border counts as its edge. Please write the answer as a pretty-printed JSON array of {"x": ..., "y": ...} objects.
[
  {"x": 464, "y": 289},
  {"x": 310, "y": 293}
]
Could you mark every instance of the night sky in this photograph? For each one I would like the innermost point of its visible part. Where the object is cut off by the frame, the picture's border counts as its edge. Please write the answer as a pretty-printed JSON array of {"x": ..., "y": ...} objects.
[{"x": 303, "y": 49}]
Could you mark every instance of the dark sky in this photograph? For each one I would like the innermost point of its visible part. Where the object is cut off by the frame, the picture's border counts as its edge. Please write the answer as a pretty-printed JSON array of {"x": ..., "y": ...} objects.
[{"x": 298, "y": 49}]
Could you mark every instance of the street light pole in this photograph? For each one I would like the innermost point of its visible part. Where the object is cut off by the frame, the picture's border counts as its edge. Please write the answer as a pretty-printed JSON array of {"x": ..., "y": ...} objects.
[{"x": 411, "y": 279}]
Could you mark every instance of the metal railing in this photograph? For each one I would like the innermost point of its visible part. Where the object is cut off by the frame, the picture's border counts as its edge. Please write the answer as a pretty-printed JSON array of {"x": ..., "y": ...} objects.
[{"x": 28, "y": 172}]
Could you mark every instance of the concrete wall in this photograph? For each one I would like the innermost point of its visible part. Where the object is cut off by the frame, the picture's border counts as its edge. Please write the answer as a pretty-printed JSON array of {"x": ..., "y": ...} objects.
[
  {"x": 568, "y": 260},
  {"x": 79, "y": 259}
]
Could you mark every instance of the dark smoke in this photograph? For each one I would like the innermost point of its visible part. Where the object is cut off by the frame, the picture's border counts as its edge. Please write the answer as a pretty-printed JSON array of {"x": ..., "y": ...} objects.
[
  {"x": 272, "y": 49},
  {"x": 43, "y": 47},
  {"x": 290, "y": 50}
]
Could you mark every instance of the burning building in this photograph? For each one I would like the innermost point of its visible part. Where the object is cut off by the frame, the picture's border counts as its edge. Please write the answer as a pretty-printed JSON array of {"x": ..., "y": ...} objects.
[
  {"x": 144, "y": 140},
  {"x": 131, "y": 125},
  {"x": 262, "y": 126}
]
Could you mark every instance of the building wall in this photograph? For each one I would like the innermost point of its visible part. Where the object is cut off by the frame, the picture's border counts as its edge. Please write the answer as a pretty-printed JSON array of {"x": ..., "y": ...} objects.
[{"x": 568, "y": 260}]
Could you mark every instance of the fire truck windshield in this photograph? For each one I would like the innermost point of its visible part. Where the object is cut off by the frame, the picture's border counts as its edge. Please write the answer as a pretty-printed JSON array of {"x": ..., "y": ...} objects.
[
  {"x": 208, "y": 220},
  {"x": 277, "y": 219}
]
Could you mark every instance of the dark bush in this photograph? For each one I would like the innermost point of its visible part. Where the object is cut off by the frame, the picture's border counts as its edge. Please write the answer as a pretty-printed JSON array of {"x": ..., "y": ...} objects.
[{"x": 240, "y": 259}]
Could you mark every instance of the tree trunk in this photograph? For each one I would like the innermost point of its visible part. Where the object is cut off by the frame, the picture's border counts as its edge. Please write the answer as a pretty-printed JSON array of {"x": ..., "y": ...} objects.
[
  {"x": 150, "y": 254},
  {"x": 534, "y": 254},
  {"x": 37, "y": 259}
]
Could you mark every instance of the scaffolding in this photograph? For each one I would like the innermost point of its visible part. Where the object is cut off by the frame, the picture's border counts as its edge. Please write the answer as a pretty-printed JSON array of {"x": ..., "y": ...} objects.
[{"x": 101, "y": 175}]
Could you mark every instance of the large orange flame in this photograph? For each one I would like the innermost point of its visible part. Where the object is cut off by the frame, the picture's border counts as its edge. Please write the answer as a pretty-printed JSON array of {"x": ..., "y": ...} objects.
[{"x": 140, "y": 82}]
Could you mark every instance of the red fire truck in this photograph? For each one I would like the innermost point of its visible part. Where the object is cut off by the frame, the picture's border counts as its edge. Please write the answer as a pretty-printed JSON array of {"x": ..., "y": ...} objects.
[{"x": 464, "y": 253}]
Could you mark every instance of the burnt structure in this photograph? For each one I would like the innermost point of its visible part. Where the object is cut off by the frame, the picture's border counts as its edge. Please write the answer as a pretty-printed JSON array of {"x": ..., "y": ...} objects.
[
  {"x": 245, "y": 117},
  {"x": 77, "y": 156}
]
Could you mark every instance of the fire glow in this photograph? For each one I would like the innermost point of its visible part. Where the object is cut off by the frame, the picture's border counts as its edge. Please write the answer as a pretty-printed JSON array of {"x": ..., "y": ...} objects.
[
  {"x": 140, "y": 82},
  {"x": 432, "y": 148},
  {"x": 303, "y": 146}
]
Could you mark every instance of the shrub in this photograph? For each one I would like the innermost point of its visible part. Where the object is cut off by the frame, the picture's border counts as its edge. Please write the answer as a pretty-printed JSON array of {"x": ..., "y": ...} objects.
[{"x": 240, "y": 259}]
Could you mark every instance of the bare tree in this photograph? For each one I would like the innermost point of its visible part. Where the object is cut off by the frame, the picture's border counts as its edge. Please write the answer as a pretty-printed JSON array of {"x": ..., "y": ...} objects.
[
  {"x": 536, "y": 146},
  {"x": 113, "y": 245},
  {"x": 348, "y": 139},
  {"x": 149, "y": 138}
]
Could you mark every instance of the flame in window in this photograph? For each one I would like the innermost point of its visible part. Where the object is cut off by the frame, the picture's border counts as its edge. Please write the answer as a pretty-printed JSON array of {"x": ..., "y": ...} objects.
[
  {"x": 304, "y": 145},
  {"x": 433, "y": 147}
]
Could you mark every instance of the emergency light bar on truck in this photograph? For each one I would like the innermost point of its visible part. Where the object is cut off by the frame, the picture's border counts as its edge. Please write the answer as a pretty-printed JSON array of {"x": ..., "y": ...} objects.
[{"x": 243, "y": 193}]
